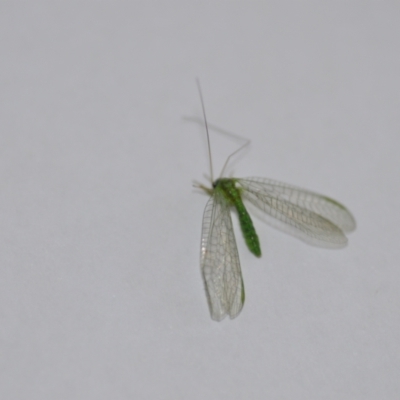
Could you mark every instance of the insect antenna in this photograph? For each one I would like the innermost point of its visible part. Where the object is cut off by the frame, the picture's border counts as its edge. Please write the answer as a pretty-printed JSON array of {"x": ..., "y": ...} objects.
[
  {"x": 232, "y": 135},
  {"x": 235, "y": 152},
  {"x": 206, "y": 125}
]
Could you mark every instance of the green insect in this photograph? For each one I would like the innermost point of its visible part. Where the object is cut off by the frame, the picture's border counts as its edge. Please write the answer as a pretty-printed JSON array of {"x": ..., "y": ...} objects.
[{"x": 311, "y": 217}]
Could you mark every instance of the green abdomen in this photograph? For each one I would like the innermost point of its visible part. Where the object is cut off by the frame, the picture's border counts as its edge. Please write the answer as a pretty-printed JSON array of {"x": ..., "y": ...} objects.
[
  {"x": 249, "y": 233},
  {"x": 232, "y": 193}
]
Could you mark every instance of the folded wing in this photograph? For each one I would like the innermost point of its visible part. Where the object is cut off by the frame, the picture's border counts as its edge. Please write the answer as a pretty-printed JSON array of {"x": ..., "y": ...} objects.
[{"x": 220, "y": 260}]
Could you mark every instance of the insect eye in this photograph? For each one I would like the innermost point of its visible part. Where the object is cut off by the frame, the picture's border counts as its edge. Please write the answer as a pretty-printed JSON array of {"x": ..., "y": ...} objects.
[{"x": 215, "y": 183}]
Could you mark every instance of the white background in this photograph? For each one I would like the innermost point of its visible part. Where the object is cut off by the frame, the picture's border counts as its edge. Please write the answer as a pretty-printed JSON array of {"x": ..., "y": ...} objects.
[{"x": 101, "y": 294}]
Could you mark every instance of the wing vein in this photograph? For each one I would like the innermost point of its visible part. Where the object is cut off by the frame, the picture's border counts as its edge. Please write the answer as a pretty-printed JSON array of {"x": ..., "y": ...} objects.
[
  {"x": 220, "y": 260},
  {"x": 313, "y": 218}
]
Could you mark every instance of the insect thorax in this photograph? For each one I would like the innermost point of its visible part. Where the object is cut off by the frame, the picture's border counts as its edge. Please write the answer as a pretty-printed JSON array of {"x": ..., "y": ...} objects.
[{"x": 229, "y": 189}]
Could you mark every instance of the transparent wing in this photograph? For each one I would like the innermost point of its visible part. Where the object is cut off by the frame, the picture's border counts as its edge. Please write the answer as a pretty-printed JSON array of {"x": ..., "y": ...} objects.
[
  {"x": 220, "y": 260},
  {"x": 313, "y": 218}
]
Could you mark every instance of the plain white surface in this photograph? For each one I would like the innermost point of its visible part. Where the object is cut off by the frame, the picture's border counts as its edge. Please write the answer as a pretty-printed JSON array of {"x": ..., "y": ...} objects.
[{"x": 100, "y": 289}]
